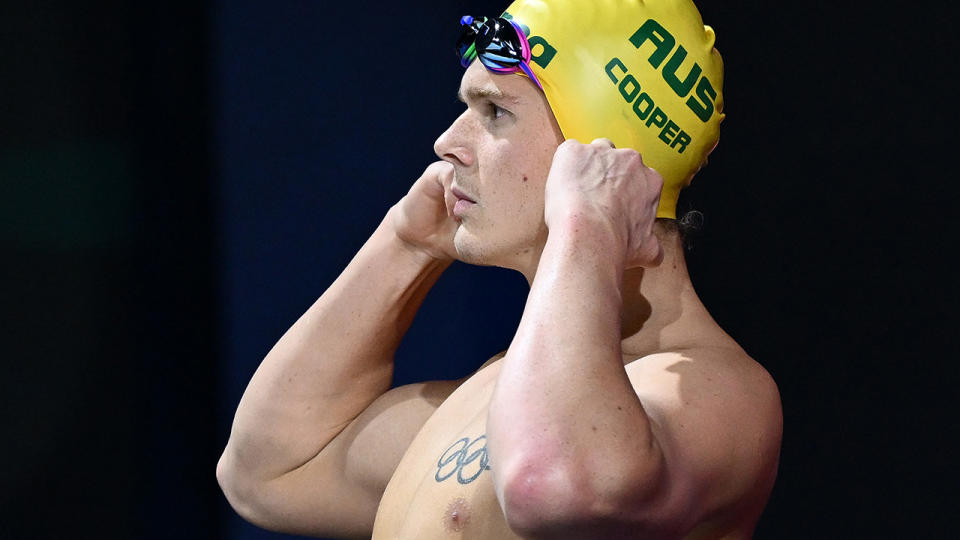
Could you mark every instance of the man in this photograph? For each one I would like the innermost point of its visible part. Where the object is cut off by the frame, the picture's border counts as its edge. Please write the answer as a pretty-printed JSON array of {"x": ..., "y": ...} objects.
[{"x": 620, "y": 409}]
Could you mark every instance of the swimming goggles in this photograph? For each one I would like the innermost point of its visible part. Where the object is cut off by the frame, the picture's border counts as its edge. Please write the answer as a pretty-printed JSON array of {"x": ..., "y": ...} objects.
[{"x": 499, "y": 43}]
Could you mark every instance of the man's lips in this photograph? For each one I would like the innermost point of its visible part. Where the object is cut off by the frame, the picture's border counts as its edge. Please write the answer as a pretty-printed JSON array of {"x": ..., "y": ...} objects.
[
  {"x": 463, "y": 202},
  {"x": 460, "y": 195}
]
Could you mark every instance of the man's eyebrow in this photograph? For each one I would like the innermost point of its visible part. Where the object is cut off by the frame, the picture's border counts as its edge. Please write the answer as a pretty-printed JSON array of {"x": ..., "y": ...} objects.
[{"x": 475, "y": 94}]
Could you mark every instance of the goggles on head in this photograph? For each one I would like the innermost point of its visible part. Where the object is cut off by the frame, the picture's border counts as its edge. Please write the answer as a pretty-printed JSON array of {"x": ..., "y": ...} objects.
[{"x": 499, "y": 43}]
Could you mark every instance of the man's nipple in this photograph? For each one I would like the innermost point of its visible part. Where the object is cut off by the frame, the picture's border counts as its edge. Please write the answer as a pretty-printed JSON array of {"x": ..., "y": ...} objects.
[{"x": 457, "y": 515}]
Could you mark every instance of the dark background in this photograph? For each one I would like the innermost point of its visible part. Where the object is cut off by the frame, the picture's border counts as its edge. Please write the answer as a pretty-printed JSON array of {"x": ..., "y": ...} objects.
[{"x": 180, "y": 181}]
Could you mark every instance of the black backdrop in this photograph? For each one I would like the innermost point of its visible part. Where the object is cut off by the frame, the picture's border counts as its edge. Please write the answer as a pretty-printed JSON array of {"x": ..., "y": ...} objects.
[{"x": 180, "y": 181}]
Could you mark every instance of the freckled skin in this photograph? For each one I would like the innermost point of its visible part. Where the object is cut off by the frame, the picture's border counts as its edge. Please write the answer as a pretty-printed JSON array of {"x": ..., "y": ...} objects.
[{"x": 487, "y": 151}]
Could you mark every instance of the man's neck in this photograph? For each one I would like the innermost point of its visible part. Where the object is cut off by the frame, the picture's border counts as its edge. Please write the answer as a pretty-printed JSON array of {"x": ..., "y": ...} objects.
[{"x": 661, "y": 311}]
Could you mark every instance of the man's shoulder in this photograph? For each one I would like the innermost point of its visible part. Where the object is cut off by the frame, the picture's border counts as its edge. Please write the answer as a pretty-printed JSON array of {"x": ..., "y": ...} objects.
[
  {"x": 716, "y": 392},
  {"x": 721, "y": 376},
  {"x": 483, "y": 372},
  {"x": 493, "y": 359},
  {"x": 717, "y": 415}
]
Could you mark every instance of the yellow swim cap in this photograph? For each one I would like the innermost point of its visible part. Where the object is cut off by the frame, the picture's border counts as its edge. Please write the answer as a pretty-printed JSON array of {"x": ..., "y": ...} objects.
[{"x": 642, "y": 73}]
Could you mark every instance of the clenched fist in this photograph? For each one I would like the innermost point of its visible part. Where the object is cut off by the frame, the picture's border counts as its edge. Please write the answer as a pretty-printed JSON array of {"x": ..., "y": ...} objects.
[
  {"x": 598, "y": 185},
  {"x": 423, "y": 218}
]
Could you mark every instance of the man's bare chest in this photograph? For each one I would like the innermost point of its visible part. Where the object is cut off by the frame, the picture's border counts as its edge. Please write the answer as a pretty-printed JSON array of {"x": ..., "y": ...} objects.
[{"x": 443, "y": 486}]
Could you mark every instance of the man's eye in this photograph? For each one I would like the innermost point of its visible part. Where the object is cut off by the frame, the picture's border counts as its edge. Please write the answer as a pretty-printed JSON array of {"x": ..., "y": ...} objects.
[{"x": 497, "y": 112}]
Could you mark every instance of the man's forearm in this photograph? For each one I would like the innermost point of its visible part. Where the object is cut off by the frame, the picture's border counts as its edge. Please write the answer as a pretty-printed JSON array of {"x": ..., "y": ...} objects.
[
  {"x": 334, "y": 361},
  {"x": 564, "y": 417}
]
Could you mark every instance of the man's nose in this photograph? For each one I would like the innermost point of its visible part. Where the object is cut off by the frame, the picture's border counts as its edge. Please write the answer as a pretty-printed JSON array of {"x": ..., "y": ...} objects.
[{"x": 452, "y": 144}]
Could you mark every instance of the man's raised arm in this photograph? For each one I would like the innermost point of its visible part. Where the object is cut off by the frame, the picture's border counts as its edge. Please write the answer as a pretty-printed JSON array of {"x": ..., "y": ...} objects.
[
  {"x": 562, "y": 398},
  {"x": 338, "y": 357},
  {"x": 583, "y": 447}
]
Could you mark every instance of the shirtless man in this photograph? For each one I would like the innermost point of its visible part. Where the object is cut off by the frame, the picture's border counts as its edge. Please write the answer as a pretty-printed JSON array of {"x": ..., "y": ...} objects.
[{"x": 620, "y": 409}]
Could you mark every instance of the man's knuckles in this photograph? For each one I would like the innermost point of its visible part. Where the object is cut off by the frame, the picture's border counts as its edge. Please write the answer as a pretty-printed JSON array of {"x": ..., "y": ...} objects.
[
  {"x": 439, "y": 170},
  {"x": 649, "y": 253},
  {"x": 603, "y": 142},
  {"x": 623, "y": 163},
  {"x": 655, "y": 179}
]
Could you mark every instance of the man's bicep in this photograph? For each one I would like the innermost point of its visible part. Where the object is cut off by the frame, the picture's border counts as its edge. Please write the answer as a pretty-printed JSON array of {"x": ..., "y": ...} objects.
[
  {"x": 372, "y": 446},
  {"x": 337, "y": 493}
]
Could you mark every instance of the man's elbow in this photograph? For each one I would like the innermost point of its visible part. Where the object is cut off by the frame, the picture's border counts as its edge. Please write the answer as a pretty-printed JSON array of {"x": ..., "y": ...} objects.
[
  {"x": 243, "y": 492},
  {"x": 536, "y": 499},
  {"x": 541, "y": 502}
]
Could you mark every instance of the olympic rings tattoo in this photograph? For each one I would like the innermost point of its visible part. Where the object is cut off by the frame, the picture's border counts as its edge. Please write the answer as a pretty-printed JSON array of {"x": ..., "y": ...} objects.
[{"x": 459, "y": 459}]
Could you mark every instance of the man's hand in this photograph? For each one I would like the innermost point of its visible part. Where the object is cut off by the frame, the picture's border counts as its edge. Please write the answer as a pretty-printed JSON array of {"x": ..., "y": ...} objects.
[
  {"x": 598, "y": 185},
  {"x": 423, "y": 218}
]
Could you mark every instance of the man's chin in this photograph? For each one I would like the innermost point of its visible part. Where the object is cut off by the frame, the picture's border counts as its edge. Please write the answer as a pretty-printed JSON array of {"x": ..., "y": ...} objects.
[
  {"x": 469, "y": 248},
  {"x": 467, "y": 252},
  {"x": 474, "y": 249}
]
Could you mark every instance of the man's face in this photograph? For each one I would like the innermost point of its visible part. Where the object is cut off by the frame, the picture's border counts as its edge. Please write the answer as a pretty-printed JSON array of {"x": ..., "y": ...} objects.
[{"x": 501, "y": 148}]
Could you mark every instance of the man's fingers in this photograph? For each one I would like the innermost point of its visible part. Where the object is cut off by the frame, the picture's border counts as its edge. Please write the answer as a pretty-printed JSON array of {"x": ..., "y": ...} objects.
[
  {"x": 444, "y": 177},
  {"x": 650, "y": 255},
  {"x": 603, "y": 141},
  {"x": 442, "y": 171},
  {"x": 449, "y": 199},
  {"x": 658, "y": 258},
  {"x": 446, "y": 173}
]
